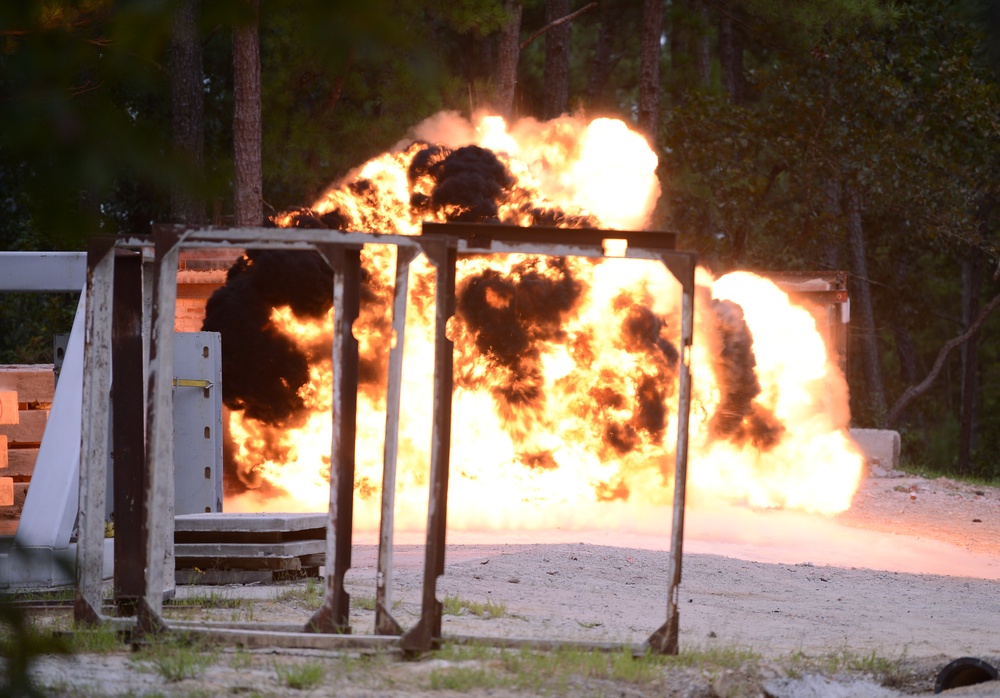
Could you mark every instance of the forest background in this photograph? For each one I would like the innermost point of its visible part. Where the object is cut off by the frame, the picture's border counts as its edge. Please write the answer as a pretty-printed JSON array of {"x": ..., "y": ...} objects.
[{"x": 849, "y": 135}]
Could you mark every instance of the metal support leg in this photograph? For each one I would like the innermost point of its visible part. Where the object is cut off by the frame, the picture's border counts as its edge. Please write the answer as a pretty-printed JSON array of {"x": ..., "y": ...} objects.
[
  {"x": 94, "y": 431},
  {"x": 665, "y": 639},
  {"x": 159, "y": 501},
  {"x": 334, "y": 615},
  {"x": 385, "y": 624},
  {"x": 129, "y": 445},
  {"x": 427, "y": 632}
]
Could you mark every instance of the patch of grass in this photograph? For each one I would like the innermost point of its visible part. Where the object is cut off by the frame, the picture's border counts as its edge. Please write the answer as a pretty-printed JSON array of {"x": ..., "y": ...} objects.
[
  {"x": 242, "y": 659},
  {"x": 722, "y": 656},
  {"x": 176, "y": 658},
  {"x": 472, "y": 651},
  {"x": 244, "y": 613},
  {"x": 363, "y": 602},
  {"x": 311, "y": 594},
  {"x": 847, "y": 660},
  {"x": 463, "y": 679},
  {"x": 301, "y": 676},
  {"x": 98, "y": 639},
  {"x": 559, "y": 666},
  {"x": 206, "y": 600},
  {"x": 453, "y": 605},
  {"x": 931, "y": 473}
]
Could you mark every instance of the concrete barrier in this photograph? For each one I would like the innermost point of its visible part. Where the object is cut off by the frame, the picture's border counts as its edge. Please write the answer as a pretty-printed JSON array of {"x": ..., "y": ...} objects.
[{"x": 880, "y": 447}]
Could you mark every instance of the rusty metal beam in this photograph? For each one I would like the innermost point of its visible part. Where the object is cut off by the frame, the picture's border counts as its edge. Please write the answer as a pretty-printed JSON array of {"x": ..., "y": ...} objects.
[
  {"x": 334, "y": 615},
  {"x": 427, "y": 632},
  {"x": 665, "y": 639},
  {"x": 128, "y": 439}
]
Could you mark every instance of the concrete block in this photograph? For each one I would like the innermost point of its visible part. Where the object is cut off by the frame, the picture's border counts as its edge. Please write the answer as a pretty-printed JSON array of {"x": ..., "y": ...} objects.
[
  {"x": 31, "y": 382},
  {"x": 29, "y": 429},
  {"x": 6, "y": 491},
  {"x": 4, "y": 459},
  {"x": 880, "y": 447},
  {"x": 8, "y": 407}
]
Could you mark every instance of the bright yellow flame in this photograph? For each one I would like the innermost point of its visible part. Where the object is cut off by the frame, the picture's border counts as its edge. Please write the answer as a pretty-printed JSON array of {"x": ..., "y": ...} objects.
[{"x": 555, "y": 465}]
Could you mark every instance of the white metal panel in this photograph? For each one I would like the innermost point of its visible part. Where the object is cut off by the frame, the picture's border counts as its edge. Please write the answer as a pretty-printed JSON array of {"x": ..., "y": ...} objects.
[
  {"x": 51, "y": 504},
  {"x": 197, "y": 422},
  {"x": 43, "y": 271}
]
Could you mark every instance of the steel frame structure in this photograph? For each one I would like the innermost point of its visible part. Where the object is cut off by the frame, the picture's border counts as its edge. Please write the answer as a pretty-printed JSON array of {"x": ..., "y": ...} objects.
[{"x": 442, "y": 244}]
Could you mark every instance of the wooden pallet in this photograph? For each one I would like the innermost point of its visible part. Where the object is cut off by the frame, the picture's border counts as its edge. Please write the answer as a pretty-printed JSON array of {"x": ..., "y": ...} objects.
[{"x": 25, "y": 398}]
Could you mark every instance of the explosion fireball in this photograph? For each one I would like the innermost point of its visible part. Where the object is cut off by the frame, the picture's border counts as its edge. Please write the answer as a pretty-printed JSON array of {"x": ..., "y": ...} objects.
[{"x": 565, "y": 368}]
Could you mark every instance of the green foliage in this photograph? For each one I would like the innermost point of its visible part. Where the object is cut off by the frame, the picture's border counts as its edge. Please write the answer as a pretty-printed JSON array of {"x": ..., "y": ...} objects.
[
  {"x": 453, "y": 605},
  {"x": 176, "y": 657},
  {"x": 300, "y": 676}
]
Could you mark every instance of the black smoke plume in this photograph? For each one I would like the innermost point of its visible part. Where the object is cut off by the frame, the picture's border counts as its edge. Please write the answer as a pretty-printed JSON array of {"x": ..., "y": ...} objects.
[
  {"x": 510, "y": 318},
  {"x": 738, "y": 418}
]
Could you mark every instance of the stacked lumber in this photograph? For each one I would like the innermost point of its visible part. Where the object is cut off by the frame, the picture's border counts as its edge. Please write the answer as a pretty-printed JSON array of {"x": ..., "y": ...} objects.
[
  {"x": 244, "y": 548},
  {"x": 25, "y": 398}
]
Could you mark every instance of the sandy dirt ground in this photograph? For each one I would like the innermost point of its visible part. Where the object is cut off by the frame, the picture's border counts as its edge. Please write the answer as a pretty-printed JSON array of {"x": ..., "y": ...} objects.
[{"x": 910, "y": 573}]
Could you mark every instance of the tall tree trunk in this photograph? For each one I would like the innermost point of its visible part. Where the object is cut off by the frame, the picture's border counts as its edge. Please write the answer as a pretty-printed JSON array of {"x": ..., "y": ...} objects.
[
  {"x": 703, "y": 45},
  {"x": 972, "y": 284},
  {"x": 600, "y": 69},
  {"x": 187, "y": 109},
  {"x": 249, "y": 205},
  {"x": 681, "y": 42},
  {"x": 508, "y": 53},
  {"x": 862, "y": 300},
  {"x": 649, "y": 68},
  {"x": 690, "y": 47},
  {"x": 556, "y": 60},
  {"x": 731, "y": 57}
]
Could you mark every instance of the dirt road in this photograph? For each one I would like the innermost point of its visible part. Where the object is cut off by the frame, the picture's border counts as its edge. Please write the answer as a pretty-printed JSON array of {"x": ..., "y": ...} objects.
[{"x": 908, "y": 575}]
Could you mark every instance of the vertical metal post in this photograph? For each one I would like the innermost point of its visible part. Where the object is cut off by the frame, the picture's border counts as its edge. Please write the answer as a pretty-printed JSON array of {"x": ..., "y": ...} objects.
[
  {"x": 129, "y": 444},
  {"x": 427, "y": 632},
  {"x": 94, "y": 431},
  {"x": 665, "y": 639},
  {"x": 334, "y": 614},
  {"x": 159, "y": 500},
  {"x": 385, "y": 624}
]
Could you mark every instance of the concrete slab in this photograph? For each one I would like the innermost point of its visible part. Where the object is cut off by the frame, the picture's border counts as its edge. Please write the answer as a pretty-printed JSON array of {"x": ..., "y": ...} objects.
[
  {"x": 249, "y": 522},
  {"x": 249, "y": 551},
  {"x": 880, "y": 447}
]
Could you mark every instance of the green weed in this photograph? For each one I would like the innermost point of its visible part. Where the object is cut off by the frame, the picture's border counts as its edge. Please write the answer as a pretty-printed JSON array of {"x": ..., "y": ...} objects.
[
  {"x": 363, "y": 602},
  {"x": 175, "y": 658},
  {"x": 301, "y": 676},
  {"x": 453, "y": 605}
]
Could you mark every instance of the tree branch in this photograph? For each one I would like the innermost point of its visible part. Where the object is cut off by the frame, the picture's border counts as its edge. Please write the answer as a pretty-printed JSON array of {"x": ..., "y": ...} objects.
[
  {"x": 568, "y": 18},
  {"x": 915, "y": 391}
]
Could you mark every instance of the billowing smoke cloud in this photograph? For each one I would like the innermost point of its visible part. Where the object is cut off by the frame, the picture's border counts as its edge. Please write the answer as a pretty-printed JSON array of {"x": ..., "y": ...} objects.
[
  {"x": 508, "y": 320},
  {"x": 264, "y": 368},
  {"x": 738, "y": 418}
]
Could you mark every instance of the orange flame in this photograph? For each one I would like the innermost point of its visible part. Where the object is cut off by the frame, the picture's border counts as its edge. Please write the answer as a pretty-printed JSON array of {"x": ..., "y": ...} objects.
[{"x": 554, "y": 462}]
